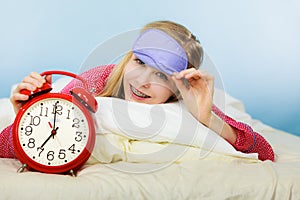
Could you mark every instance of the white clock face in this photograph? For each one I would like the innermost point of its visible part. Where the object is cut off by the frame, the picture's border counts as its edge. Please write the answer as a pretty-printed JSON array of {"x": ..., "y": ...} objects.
[{"x": 53, "y": 131}]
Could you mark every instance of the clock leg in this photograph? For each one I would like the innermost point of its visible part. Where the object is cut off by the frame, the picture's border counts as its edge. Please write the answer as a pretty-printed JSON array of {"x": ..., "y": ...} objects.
[
  {"x": 72, "y": 173},
  {"x": 22, "y": 168}
]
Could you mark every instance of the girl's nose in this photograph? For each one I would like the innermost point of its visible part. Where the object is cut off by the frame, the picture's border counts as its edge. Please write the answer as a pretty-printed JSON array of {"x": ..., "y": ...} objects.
[
  {"x": 146, "y": 85},
  {"x": 144, "y": 79}
]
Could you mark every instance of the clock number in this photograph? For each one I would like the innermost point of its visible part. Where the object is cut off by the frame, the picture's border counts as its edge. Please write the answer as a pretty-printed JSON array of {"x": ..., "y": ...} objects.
[
  {"x": 68, "y": 116},
  {"x": 50, "y": 155},
  {"x": 46, "y": 111},
  {"x": 28, "y": 130},
  {"x": 76, "y": 123},
  {"x": 36, "y": 120},
  {"x": 57, "y": 109},
  {"x": 62, "y": 154},
  {"x": 41, "y": 149},
  {"x": 31, "y": 143},
  {"x": 78, "y": 138},
  {"x": 72, "y": 148}
]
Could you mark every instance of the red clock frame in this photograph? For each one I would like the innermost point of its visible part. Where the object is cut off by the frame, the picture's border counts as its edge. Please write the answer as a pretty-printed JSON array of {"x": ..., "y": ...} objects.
[{"x": 73, "y": 165}]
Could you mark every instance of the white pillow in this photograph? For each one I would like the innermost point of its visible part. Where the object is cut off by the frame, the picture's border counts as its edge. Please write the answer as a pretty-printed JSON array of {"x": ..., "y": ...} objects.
[{"x": 138, "y": 132}]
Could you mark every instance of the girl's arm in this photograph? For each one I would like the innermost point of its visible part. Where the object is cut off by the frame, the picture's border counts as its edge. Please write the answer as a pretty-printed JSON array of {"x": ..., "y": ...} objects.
[
  {"x": 17, "y": 99},
  {"x": 96, "y": 78},
  {"x": 198, "y": 98}
]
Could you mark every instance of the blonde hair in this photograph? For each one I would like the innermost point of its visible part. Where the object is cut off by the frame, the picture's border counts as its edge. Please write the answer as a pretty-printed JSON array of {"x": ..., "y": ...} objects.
[
  {"x": 180, "y": 33},
  {"x": 113, "y": 85}
]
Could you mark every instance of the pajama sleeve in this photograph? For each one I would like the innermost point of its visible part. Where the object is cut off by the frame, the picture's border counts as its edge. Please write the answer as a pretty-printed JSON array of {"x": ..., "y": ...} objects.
[
  {"x": 6, "y": 143},
  {"x": 248, "y": 141}
]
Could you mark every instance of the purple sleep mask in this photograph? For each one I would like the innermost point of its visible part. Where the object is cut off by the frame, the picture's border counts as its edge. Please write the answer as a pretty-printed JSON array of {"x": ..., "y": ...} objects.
[{"x": 159, "y": 50}]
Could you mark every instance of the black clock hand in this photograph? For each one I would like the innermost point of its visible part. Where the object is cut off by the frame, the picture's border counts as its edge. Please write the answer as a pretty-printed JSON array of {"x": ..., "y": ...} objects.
[
  {"x": 54, "y": 128},
  {"x": 54, "y": 115},
  {"x": 53, "y": 132}
]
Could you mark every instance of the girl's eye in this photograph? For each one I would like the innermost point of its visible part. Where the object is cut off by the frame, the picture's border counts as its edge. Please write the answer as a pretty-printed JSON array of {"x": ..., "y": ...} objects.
[
  {"x": 162, "y": 76},
  {"x": 139, "y": 61}
]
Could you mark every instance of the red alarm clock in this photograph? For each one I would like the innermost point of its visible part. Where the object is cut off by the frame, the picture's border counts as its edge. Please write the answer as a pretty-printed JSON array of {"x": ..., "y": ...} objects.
[{"x": 54, "y": 132}]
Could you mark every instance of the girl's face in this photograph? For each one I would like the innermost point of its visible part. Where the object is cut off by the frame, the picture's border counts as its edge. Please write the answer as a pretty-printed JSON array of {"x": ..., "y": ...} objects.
[{"x": 145, "y": 84}]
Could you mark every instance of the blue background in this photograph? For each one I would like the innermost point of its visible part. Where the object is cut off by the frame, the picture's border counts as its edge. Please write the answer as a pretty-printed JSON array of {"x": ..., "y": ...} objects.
[{"x": 254, "y": 43}]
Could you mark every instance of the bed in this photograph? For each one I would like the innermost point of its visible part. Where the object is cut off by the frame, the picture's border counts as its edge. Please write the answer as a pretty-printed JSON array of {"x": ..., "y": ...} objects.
[{"x": 163, "y": 166}]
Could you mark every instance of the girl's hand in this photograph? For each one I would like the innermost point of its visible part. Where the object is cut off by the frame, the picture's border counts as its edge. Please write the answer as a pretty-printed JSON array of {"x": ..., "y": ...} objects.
[
  {"x": 31, "y": 83},
  {"x": 198, "y": 95}
]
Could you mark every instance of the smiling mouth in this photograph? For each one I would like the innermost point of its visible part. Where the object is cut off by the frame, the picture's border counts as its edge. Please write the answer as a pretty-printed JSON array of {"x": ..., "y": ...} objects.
[{"x": 138, "y": 93}]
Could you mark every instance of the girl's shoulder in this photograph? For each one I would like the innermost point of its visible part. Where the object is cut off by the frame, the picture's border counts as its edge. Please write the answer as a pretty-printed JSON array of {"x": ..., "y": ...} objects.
[
  {"x": 99, "y": 71},
  {"x": 97, "y": 74},
  {"x": 95, "y": 78}
]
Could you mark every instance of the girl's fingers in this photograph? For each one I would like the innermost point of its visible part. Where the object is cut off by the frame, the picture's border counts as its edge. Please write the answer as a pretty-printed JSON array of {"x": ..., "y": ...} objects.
[
  {"x": 49, "y": 78},
  {"x": 37, "y": 76},
  {"x": 35, "y": 79},
  {"x": 198, "y": 78},
  {"x": 183, "y": 73},
  {"x": 193, "y": 73},
  {"x": 23, "y": 85},
  {"x": 180, "y": 85},
  {"x": 206, "y": 77},
  {"x": 31, "y": 83},
  {"x": 19, "y": 97}
]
